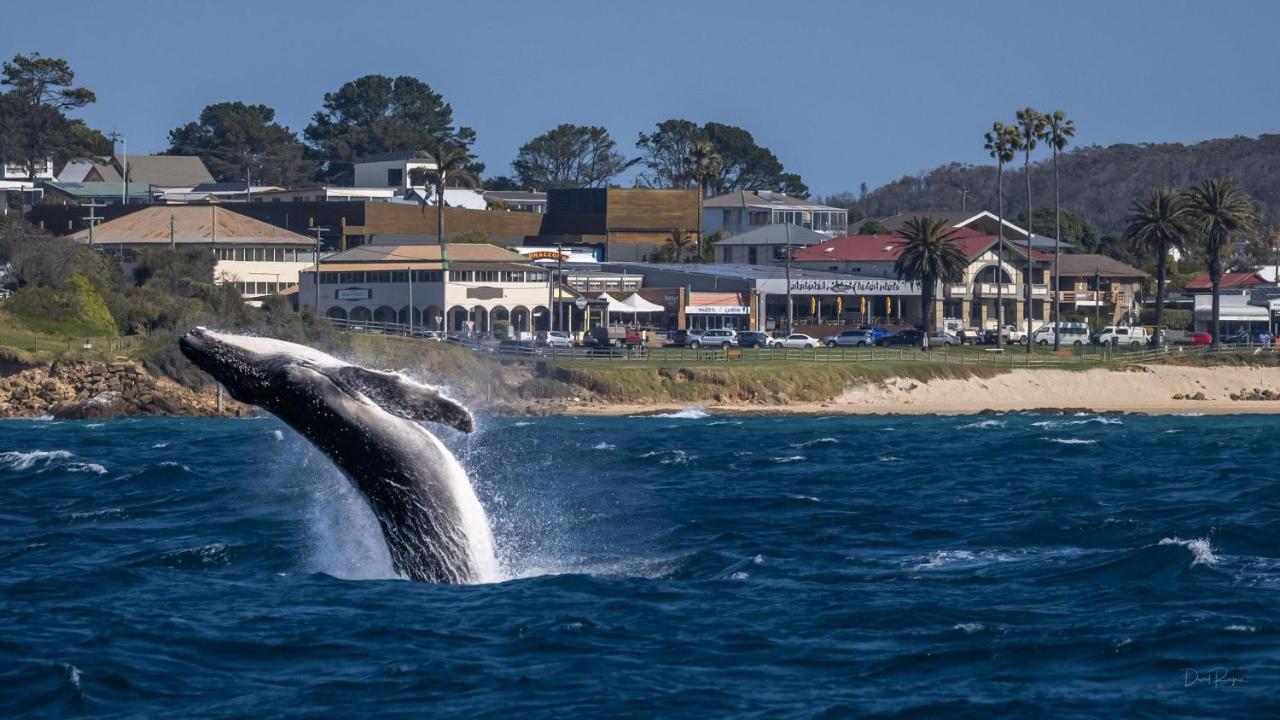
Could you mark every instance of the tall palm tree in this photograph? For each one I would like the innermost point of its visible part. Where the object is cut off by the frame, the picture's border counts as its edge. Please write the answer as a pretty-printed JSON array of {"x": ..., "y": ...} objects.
[
  {"x": 1031, "y": 128},
  {"x": 677, "y": 246},
  {"x": 1059, "y": 129},
  {"x": 1156, "y": 224},
  {"x": 1218, "y": 209},
  {"x": 706, "y": 165},
  {"x": 1001, "y": 144},
  {"x": 451, "y": 163},
  {"x": 927, "y": 254}
]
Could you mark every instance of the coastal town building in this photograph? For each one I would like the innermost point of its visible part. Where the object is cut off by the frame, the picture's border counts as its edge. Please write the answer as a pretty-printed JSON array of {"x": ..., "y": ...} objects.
[
  {"x": 517, "y": 200},
  {"x": 258, "y": 258},
  {"x": 629, "y": 223},
  {"x": 485, "y": 289},
  {"x": 327, "y": 193},
  {"x": 1247, "y": 280},
  {"x": 401, "y": 169},
  {"x": 972, "y": 301},
  {"x": 158, "y": 171},
  {"x": 1099, "y": 286},
  {"x": 765, "y": 245},
  {"x": 738, "y": 212},
  {"x": 979, "y": 221},
  {"x": 58, "y": 192}
]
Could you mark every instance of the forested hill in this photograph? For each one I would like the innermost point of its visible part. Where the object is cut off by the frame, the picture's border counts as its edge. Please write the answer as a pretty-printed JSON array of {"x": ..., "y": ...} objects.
[{"x": 1097, "y": 182}]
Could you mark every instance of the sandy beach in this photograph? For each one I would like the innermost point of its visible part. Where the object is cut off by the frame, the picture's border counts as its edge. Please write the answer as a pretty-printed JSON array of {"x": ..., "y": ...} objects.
[{"x": 1149, "y": 390}]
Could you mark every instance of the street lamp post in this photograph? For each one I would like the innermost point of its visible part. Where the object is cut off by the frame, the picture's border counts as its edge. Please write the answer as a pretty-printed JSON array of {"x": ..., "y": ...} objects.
[{"x": 410, "y": 300}]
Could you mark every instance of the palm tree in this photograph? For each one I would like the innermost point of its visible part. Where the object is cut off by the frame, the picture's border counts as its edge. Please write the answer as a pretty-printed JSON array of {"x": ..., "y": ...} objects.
[
  {"x": 1001, "y": 144},
  {"x": 1218, "y": 209},
  {"x": 1156, "y": 224},
  {"x": 677, "y": 246},
  {"x": 1031, "y": 128},
  {"x": 451, "y": 163},
  {"x": 706, "y": 165},
  {"x": 1058, "y": 130},
  {"x": 927, "y": 255}
]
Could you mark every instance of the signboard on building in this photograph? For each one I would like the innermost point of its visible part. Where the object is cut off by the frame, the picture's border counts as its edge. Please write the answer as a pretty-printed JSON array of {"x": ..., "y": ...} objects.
[
  {"x": 716, "y": 310},
  {"x": 353, "y": 294},
  {"x": 842, "y": 286}
]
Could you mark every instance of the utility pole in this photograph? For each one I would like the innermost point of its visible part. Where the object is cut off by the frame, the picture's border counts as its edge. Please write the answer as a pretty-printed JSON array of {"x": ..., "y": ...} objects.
[
  {"x": 93, "y": 219},
  {"x": 173, "y": 236},
  {"x": 1097, "y": 297},
  {"x": 559, "y": 270},
  {"x": 410, "y": 299},
  {"x": 317, "y": 230},
  {"x": 790, "y": 306},
  {"x": 124, "y": 165},
  {"x": 964, "y": 198}
]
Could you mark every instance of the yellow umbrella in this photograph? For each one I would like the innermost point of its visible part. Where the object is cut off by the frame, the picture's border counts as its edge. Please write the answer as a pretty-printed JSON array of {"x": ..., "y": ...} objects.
[
  {"x": 813, "y": 304},
  {"x": 862, "y": 305},
  {"x": 839, "y": 305},
  {"x": 888, "y": 306}
]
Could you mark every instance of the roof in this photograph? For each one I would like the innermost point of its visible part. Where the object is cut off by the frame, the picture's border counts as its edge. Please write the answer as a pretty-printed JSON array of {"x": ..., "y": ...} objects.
[
  {"x": 192, "y": 224},
  {"x": 98, "y": 189},
  {"x": 727, "y": 270},
  {"x": 396, "y": 155},
  {"x": 870, "y": 248},
  {"x": 458, "y": 252},
  {"x": 775, "y": 234},
  {"x": 165, "y": 170},
  {"x": 954, "y": 218},
  {"x": 517, "y": 195},
  {"x": 75, "y": 170},
  {"x": 1072, "y": 264},
  {"x": 762, "y": 198},
  {"x": 1229, "y": 280},
  {"x": 327, "y": 266}
]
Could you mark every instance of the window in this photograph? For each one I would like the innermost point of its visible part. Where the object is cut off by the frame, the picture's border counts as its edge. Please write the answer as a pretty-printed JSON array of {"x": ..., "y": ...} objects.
[
  {"x": 486, "y": 275},
  {"x": 426, "y": 276},
  {"x": 752, "y": 258},
  {"x": 395, "y": 177},
  {"x": 239, "y": 254},
  {"x": 399, "y": 276},
  {"x": 328, "y": 278}
]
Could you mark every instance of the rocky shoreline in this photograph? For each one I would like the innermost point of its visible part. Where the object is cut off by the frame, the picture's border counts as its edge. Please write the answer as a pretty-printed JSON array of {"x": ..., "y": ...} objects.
[{"x": 83, "y": 389}]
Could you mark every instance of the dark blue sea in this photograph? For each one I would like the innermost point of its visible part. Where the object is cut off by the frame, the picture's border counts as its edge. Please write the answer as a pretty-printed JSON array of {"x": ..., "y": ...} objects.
[{"x": 679, "y": 566}]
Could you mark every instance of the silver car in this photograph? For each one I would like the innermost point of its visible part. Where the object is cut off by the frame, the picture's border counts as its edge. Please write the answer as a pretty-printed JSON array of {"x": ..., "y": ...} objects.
[{"x": 851, "y": 338}]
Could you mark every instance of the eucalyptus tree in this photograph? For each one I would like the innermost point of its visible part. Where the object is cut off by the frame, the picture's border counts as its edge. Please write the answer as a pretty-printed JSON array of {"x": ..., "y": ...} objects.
[
  {"x": 1059, "y": 129},
  {"x": 1031, "y": 128},
  {"x": 1218, "y": 209},
  {"x": 1001, "y": 144},
  {"x": 1157, "y": 223},
  {"x": 927, "y": 254}
]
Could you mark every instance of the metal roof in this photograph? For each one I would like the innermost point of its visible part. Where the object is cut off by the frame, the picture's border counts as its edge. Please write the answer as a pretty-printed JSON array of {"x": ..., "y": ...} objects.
[
  {"x": 775, "y": 234},
  {"x": 190, "y": 224}
]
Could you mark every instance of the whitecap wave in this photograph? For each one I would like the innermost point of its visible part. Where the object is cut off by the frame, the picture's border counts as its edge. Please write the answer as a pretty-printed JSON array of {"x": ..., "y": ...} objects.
[
  {"x": 789, "y": 459},
  {"x": 277, "y": 434},
  {"x": 159, "y": 445},
  {"x": 521, "y": 423},
  {"x": 1052, "y": 424},
  {"x": 1201, "y": 550},
  {"x": 602, "y": 445},
  {"x": 889, "y": 458},
  {"x": 692, "y": 412},
  {"x": 811, "y": 443},
  {"x": 970, "y": 628},
  {"x": 983, "y": 425},
  {"x": 1071, "y": 441},
  {"x": 1242, "y": 628},
  {"x": 807, "y": 498},
  {"x": 62, "y": 459}
]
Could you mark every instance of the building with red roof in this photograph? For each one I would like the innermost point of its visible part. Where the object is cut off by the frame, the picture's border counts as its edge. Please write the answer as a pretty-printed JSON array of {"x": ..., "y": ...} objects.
[{"x": 1230, "y": 281}]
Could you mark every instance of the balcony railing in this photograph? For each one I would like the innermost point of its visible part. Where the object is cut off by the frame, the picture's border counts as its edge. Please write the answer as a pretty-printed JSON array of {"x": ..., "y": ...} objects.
[{"x": 1090, "y": 298}]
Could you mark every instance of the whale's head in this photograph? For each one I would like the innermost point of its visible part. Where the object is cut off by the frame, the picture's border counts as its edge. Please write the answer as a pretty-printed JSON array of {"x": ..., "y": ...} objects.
[{"x": 276, "y": 375}]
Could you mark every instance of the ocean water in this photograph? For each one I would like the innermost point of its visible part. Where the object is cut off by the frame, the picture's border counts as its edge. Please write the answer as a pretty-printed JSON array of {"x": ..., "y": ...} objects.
[{"x": 670, "y": 566}]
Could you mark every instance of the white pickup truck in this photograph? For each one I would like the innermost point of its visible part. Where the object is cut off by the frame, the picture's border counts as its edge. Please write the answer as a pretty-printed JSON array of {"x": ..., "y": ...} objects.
[
  {"x": 1131, "y": 336},
  {"x": 1012, "y": 334}
]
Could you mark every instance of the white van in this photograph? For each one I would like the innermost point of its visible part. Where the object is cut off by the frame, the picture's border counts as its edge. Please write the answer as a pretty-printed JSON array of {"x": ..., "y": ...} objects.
[{"x": 1073, "y": 333}]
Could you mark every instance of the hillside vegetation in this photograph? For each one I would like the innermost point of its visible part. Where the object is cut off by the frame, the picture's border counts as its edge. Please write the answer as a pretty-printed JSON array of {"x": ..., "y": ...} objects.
[{"x": 1097, "y": 182}]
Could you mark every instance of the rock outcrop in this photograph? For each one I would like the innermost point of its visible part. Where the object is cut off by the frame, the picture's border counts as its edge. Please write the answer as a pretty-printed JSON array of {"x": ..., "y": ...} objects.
[{"x": 82, "y": 389}]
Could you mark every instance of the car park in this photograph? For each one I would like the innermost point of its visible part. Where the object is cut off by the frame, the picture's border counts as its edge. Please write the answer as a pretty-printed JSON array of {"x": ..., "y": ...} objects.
[
  {"x": 905, "y": 337},
  {"x": 851, "y": 338},
  {"x": 754, "y": 339},
  {"x": 1072, "y": 333},
  {"x": 1123, "y": 335},
  {"x": 798, "y": 340}
]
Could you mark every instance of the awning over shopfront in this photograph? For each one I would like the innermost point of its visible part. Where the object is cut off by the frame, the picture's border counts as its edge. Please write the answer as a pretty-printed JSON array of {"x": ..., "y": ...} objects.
[
  {"x": 1233, "y": 308},
  {"x": 712, "y": 303}
]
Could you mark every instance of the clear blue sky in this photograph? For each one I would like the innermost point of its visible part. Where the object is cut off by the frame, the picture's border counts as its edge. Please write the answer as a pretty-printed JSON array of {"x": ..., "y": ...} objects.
[{"x": 842, "y": 92}]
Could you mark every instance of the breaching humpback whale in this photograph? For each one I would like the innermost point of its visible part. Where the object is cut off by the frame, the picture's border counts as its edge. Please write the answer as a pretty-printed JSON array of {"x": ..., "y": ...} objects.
[{"x": 365, "y": 422}]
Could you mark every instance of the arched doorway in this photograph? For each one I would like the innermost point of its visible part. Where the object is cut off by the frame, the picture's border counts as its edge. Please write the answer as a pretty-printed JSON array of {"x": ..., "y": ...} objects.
[
  {"x": 520, "y": 319},
  {"x": 385, "y": 314},
  {"x": 456, "y": 319},
  {"x": 403, "y": 318},
  {"x": 481, "y": 318},
  {"x": 361, "y": 314},
  {"x": 541, "y": 318},
  {"x": 336, "y": 313},
  {"x": 430, "y": 315}
]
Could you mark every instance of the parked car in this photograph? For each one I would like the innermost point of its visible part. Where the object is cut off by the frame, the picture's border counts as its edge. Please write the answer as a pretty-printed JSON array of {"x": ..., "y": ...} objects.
[
  {"x": 1122, "y": 335},
  {"x": 682, "y": 338},
  {"x": 1241, "y": 337},
  {"x": 971, "y": 336},
  {"x": 615, "y": 336},
  {"x": 754, "y": 339},
  {"x": 428, "y": 335},
  {"x": 942, "y": 338},
  {"x": 1073, "y": 333},
  {"x": 851, "y": 338},
  {"x": 877, "y": 332},
  {"x": 716, "y": 338},
  {"x": 553, "y": 338},
  {"x": 1201, "y": 338},
  {"x": 904, "y": 337},
  {"x": 798, "y": 340}
]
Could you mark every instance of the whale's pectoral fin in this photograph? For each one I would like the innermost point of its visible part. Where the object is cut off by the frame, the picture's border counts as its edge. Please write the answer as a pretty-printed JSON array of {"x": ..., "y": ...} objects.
[{"x": 400, "y": 396}]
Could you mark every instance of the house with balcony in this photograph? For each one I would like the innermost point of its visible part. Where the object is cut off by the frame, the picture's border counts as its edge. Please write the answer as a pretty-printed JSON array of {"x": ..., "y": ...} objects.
[
  {"x": 766, "y": 245},
  {"x": 1099, "y": 286},
  {"x": 401, "y": 169},
  {"x": 986, "y": 279},
  {"x": 738, "y": 212}
]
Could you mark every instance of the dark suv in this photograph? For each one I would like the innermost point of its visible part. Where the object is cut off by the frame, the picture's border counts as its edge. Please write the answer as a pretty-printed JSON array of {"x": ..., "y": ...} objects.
[
  {"x": 753, "y": 339},
  {"x": 913, "y": 338}
]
